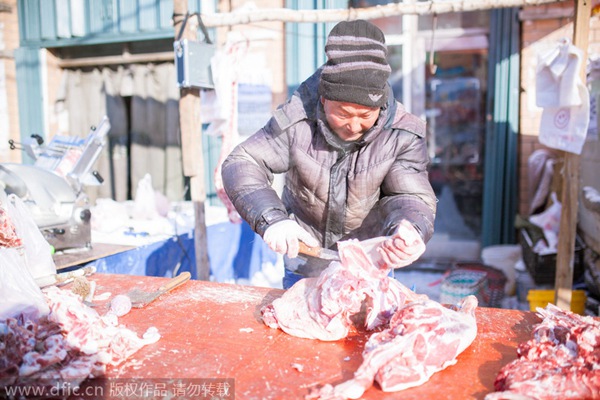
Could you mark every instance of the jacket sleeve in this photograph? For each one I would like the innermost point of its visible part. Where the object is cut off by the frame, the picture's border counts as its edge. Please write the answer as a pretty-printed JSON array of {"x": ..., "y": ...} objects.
[
  {"x": 406, "y": 191},
  {"x": 248, "y": 173}
]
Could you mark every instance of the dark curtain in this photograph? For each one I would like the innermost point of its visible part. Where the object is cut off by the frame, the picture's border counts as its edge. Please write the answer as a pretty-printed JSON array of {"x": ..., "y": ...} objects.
[{"x": 141, "y": 102}]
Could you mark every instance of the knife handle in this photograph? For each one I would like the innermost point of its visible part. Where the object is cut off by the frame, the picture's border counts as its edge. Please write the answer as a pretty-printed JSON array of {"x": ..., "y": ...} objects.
[
  {"x": 309, "y": 251},
  {"x": 174, "y": 282}
]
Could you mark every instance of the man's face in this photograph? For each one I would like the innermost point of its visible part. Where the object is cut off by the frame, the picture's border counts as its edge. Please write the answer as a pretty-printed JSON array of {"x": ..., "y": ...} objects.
[{"x": 348, "y": 120}]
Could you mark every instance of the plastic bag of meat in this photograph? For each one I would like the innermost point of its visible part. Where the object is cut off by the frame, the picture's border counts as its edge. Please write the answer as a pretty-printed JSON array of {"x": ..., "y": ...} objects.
[
  {"x": 561, "y": 361},
  {"x": 37, "y": 249},
  {"x": 424, "y": 337},
  {"x": 321, "y": 308},
  {"x": 19, "y": 294}
]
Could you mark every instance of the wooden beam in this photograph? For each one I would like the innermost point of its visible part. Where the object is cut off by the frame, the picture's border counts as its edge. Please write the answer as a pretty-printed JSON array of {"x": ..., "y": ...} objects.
[
  {"x": 116, "y": 60},
  {"x": 241, "y": 17},
  {"x": 191, "y": 144},
  {"x": 531, "y": 14},
  {"x": 570, "y": 180}
]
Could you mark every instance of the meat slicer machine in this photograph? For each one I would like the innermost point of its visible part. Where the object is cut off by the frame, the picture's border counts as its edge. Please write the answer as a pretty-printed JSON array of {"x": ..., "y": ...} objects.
[{"x": 52, "y": 187}]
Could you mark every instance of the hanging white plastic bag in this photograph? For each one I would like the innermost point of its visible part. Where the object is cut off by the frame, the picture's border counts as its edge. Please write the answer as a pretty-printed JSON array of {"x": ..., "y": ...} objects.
[
  {"x": 565, "y": 128},
  {"x": 38, "y": 252},
  {"x": 564, "y": 97}
]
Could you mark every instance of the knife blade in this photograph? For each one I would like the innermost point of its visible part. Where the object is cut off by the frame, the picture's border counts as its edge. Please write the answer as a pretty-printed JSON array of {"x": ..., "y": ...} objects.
[{"x": 319, "y": 252}]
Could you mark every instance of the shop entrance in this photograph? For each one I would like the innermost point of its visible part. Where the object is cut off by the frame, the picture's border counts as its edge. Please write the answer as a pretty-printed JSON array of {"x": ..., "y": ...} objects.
[{"x": 440, "y": 73}]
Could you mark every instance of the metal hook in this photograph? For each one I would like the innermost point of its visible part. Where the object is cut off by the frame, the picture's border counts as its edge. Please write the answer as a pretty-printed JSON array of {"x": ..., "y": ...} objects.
[{"x": 13, "y": 145}]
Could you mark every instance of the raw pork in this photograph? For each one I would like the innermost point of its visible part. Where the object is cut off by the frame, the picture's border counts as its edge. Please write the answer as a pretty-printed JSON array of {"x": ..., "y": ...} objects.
[
  {"x": 72, "y": 343},
  {"x": 320, "y": 308},
  {"x": 8, "y": 232},
  {"x": 561, "y": 361},
  {"x": 86, "y": 330},
  {"x": 424, "y": 337}
]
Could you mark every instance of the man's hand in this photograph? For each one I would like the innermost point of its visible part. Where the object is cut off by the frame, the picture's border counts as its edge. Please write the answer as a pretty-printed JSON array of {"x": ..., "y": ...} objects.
[
  {"x": 282, "y": 237},
  {"x": 403, "y": 248}
]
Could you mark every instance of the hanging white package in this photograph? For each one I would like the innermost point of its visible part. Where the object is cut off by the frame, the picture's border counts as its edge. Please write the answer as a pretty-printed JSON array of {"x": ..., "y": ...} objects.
[{"x": 564, "y": 97}]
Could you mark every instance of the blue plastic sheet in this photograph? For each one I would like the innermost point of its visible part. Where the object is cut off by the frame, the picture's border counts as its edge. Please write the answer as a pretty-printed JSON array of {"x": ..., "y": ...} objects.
[{"x": 234, "y": 252}]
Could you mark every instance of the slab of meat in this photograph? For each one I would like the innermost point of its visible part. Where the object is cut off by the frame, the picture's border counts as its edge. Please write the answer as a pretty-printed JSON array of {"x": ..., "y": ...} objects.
[
  {"x": 561, "y": 361},
  {"x": 320, "y": 308},
  {"x": 423, "y": 338}
]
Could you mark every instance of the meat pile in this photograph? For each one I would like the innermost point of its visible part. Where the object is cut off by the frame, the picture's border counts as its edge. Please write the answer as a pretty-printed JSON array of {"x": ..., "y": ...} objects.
[
  {"x": 418, "y": 338},
  {"x": 72, "y": 343},
  {"x": 561, "y": 361}
]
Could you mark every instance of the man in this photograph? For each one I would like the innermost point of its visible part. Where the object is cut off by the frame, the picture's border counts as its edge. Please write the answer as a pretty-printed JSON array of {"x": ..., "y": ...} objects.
[{"x": 355, "y": 162}]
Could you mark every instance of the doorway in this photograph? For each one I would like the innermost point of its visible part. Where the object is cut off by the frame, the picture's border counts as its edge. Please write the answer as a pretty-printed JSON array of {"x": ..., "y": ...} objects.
[{"x": 440, "y": 73}]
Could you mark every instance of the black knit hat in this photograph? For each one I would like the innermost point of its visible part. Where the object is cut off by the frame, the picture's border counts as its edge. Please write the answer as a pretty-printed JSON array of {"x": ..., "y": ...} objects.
[{"x": 357, "y": 69}]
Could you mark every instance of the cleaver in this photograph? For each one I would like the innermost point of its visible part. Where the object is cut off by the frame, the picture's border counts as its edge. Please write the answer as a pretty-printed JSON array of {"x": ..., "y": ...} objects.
[
  {"x": 319, "y": 252},
  {"x": 140, "y": 298},
  {"x": 369, "y": 245}
]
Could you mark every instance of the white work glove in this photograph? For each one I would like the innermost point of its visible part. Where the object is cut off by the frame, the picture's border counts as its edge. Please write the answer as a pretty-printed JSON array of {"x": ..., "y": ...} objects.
[
  {"x": 282, "y": 237},
  {"x": 403, "y": 248}
]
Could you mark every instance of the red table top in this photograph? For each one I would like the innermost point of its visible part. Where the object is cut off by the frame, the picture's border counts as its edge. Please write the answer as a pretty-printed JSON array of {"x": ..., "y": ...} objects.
[{"x": 211, "y": 330}]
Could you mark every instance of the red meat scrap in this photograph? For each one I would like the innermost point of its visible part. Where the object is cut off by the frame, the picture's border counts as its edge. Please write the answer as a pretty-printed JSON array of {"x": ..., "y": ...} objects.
[{"x": 560, "y": 361}]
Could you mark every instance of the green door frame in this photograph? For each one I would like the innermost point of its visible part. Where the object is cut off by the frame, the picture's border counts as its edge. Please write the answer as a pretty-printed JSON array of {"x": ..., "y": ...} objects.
[
  {"x": 500, "y": 185},
  {"x": 30, "y": 94}
]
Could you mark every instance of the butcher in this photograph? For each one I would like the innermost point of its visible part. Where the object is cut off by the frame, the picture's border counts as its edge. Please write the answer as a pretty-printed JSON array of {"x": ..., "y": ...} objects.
[{"x": 355, "y": 162}]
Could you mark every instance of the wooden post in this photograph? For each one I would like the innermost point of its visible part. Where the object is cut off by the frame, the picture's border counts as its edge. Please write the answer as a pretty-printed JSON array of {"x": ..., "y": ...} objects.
[
  {"x": 570, "y": 180},
  {"x": 191, "y": 145}
]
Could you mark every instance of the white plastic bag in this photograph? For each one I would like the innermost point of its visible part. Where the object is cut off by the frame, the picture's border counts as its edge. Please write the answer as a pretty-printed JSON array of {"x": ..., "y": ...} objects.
[
  {"x": 564, "y": 97},
  {"x": 19, "y": 294},
  {"x": 565, "y": 128},
  {"x": 38, "y": 253},
  {"x": 144, "y": 206},
  {"x": 549, "y": 221}
]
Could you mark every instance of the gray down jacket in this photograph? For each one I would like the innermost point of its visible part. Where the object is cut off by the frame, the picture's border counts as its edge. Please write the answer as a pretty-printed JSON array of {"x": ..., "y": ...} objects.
[{"x": 336, "y": 190}]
